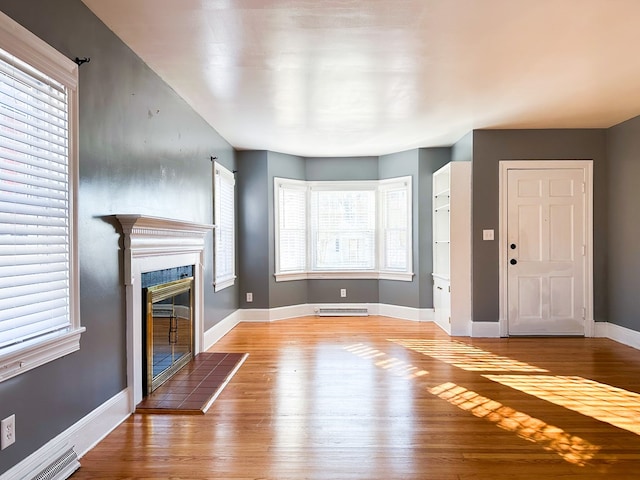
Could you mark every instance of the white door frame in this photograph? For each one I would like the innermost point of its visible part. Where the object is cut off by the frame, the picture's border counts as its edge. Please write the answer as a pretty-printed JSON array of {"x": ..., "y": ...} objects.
[{"x": 587, "y": 167}]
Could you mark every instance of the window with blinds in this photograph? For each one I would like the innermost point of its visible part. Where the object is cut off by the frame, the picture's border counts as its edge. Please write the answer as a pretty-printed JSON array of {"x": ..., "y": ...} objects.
[
  {"x": 395, "y": 197},
  {"x": 224, "y": 219},
  {"x": 343, "y": 229},
  {"x": 291, "y": 226},
  {"x": 38, "y": 278}
]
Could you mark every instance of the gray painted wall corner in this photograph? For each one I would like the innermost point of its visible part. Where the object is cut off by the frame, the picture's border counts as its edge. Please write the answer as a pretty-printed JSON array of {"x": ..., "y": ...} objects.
[{"x": 623, "y": 227}]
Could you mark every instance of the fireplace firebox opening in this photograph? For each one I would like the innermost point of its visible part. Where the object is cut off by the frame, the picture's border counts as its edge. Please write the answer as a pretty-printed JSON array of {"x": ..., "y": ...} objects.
[{"x": 168, "y": 330}]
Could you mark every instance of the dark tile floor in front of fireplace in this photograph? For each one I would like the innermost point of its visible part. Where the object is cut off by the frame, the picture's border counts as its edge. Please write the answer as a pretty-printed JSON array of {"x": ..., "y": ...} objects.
[{"x": 194, "y": 387}]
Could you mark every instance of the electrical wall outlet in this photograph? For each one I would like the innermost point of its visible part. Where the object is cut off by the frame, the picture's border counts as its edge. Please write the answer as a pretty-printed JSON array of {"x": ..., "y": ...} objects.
[
  {"x": 487, "y": 234},
  {"x": 7, "y": 432},
  {"x": 343, "y": 292},
  {"x": 249, "y": 297}
]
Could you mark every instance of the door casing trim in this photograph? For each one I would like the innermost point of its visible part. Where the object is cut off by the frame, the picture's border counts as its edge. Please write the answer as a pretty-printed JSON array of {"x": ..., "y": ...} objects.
[{"x": 587, "y": 167}]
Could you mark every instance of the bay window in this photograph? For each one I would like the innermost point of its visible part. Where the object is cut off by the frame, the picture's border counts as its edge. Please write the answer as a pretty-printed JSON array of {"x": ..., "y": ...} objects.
[{"x": 343, "y": 229}]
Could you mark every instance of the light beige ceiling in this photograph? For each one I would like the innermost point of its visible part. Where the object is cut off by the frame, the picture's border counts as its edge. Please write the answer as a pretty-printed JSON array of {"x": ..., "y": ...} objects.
[{"x": 370, "y": 77}]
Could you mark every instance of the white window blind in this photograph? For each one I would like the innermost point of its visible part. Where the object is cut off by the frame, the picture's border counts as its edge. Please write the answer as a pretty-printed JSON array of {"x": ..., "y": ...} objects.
[
  {"x": 34, "y": 204},
  {"x": 39, "y": 300},
  {"x": 343, "y": 229},
  {"x": 292, "y": 227},
  {"x": 224, "y": 212},
  {"x": 396, "y": 225}
]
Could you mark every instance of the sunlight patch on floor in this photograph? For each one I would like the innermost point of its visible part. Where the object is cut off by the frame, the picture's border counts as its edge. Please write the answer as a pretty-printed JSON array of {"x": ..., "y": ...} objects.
[
  {"x": 386, "y": 362},
  {"x": 606, "y": 403},
  {"x": 571, "y": 448},
  {"x": 466, "y": 357}
]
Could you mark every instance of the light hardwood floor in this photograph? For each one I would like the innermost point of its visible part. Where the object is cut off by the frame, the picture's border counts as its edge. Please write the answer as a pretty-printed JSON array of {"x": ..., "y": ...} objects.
[{"x": 380, "y": 398}]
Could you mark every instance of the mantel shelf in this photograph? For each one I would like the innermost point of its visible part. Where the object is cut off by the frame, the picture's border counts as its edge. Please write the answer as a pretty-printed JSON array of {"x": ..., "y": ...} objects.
[{"x": 132, "y": 222}]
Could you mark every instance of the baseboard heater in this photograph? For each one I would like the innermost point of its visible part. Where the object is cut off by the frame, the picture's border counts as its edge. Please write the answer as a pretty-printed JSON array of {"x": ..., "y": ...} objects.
[
  {"x": 343, "y": 312},
  {"x": 61, "y": 468}
]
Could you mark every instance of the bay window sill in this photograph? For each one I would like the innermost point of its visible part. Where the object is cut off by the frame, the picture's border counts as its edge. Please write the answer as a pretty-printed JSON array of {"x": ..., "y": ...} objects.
[{"x": 342, "y": 275}]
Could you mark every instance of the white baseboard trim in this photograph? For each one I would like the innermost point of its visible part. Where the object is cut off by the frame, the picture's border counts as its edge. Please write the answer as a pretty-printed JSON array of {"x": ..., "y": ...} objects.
[
  {"x": 445, "y": 327},
  {"x": 92, "y": 428},
  {"x": 600, "y": 329},
  {"x": 82, "y": 436},
  {"x": 310, "y": 310},
  {"x": 220, "y": 329},
  {"x": 617, "y": 333},
  {"x": 427, "y": 314},
  {"x": 485, "y": 329},
  {"x": 612, "y": 331},
  {"x": 275, "y": 314},
  {"x": 406, "y": 313}
]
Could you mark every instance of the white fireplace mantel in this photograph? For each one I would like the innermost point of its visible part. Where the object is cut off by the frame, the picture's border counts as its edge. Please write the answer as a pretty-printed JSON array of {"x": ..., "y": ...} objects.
[{"x": 150, "y": 244}]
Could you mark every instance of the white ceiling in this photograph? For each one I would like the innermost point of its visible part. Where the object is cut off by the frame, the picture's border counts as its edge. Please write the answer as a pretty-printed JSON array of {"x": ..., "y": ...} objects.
[{"x": 370, "y": 77}]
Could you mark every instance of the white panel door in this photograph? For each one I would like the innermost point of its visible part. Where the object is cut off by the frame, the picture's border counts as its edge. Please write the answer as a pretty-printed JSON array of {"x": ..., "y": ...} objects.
[{"x": 546, "y": 251}]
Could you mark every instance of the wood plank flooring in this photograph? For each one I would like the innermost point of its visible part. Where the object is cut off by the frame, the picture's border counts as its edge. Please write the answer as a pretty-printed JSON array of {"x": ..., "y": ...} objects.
[{"x": 380, "y": 398}]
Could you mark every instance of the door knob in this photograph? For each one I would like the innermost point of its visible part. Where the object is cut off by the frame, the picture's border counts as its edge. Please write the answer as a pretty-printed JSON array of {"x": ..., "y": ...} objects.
[
  {"x": 513, "y": 261},
  {"x": 513, "y": 246}
]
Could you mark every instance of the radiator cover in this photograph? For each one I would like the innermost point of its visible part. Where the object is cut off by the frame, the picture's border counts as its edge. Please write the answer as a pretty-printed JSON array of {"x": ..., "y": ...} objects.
[
  {"x": 342, "y": 312},
  {"x": 61, "y": 468}
]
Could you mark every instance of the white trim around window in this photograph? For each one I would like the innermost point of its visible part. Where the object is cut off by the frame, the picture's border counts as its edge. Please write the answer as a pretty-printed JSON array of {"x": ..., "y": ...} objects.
[
  {"x": 39, "y": 305},
  {"x": 346, "y": 230},
  {"x": 224, "y": 232},
  {"x": 290, "y": 210},
  {"x": 395, "y": 219}
]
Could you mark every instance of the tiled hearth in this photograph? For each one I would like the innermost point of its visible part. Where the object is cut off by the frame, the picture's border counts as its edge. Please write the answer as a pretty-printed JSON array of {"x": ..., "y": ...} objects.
[{"x": 194, "y": 388}]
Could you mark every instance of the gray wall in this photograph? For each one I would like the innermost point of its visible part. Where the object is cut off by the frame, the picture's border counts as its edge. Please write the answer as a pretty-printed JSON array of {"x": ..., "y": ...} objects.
[
  {"x": 142, "y": 150},
  {"x": 253, "y": 228},
  {"x": 256, "y": 244},
  {"x": 492, "y": 146},
  {"x": 623, "y": 153},
  {"x": 462, "y": 150},
  {"x": 341, "y": 168}
]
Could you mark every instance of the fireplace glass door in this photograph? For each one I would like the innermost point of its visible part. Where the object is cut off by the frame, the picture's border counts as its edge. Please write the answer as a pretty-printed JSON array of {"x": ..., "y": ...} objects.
[{"x": 169, "y": 330}]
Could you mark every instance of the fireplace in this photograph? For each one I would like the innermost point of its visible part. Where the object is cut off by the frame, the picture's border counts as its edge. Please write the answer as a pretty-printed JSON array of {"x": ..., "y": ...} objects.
[
  {"x": 153, "y": 244},
  {"x": 167, "y": 326}
]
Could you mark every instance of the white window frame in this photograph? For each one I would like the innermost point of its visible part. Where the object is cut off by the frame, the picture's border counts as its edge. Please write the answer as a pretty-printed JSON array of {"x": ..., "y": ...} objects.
[
  {"x": 225, "y": 226},
  {"x": 298, "y": 186},
  {"x": 402, "y": 183},
  {"x": 379, "y": 272},
  {"x": 340, "y": 186},
  {"x": 21, "y": 357}
]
